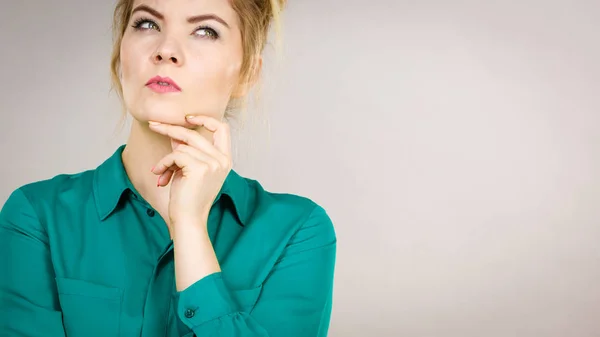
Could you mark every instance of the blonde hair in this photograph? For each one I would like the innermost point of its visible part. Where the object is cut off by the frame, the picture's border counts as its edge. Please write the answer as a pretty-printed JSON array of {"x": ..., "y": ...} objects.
[{"x": 255, "y": 18}]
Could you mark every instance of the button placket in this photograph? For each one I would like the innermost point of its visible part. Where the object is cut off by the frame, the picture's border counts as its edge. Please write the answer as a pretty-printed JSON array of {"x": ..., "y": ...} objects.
[{"x": 163, "y": 277}]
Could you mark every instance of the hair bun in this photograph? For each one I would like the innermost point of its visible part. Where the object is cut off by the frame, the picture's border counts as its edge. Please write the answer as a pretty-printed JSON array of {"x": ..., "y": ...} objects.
[{"x": 277, "y": 3}]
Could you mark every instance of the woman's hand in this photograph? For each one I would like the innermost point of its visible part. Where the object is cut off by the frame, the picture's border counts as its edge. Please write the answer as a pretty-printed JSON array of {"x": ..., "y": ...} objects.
[{"x": 196, "y": 168}]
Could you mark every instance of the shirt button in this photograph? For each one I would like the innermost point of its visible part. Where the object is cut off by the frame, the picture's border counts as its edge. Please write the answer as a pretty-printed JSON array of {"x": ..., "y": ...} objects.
[
  {"x": 150, "y": 212},
  {"x": 189, "y": 313}
]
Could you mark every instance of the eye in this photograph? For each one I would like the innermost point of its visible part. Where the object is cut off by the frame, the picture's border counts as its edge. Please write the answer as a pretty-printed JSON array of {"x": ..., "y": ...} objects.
[
  {"x": 206, "y": 32},
  {"x": 144, "y": 24}
]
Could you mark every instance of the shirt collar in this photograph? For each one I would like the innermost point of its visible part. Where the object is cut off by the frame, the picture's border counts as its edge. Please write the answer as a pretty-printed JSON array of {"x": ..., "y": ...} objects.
[{"x": 111, "y": 182}]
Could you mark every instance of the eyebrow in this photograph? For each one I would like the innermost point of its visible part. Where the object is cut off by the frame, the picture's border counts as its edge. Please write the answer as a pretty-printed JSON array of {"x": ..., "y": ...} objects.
[{"x": 193, "y": 19}]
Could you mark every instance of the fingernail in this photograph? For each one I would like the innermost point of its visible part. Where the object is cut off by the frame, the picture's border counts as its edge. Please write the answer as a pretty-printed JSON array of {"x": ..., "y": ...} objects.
[
  {"x": 158, "y": 182},
  {"x": 152, "y": 169},
  {"x": 153, "y": 123},
  {"x": 189, "y": 116}
]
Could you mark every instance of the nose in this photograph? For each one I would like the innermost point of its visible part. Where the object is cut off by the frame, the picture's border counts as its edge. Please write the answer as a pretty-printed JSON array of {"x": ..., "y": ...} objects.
[{"x": 168, "y": 52}]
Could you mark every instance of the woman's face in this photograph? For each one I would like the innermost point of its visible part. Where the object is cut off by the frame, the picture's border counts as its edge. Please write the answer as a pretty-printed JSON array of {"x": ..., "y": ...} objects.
[{"x": 195, "y": 43}]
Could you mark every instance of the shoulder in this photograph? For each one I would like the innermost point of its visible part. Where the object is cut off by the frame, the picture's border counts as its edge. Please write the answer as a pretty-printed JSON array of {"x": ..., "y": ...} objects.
[
  {"x": 289, "y": 212},
  {"x": 33, "y": 200},
  {"x": 56, "y": 187}
]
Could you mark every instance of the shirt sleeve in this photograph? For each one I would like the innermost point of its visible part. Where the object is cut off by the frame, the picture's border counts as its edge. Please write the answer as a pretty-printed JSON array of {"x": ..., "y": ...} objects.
[
  {"x": 28, "y": 296},
  {"x": 296, "y": 298}
]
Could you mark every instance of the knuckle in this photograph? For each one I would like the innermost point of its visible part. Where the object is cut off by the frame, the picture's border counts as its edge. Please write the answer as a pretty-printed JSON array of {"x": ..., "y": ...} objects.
[
  {"x": 215, "y": 166},
  {"x": 178, "y": 157},
  {"x": 226, "y": 163},
  {"x": 202, "y": 166},
  {"x": 181, "y": 148}
]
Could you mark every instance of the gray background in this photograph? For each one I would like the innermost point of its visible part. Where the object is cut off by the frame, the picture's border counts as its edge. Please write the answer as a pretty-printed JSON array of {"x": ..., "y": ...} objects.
[{"x": 454, "y": 143}]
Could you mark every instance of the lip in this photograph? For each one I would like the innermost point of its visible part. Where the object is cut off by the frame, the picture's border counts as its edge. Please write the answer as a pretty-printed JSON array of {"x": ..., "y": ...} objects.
[{"x": 154, "y": 85}]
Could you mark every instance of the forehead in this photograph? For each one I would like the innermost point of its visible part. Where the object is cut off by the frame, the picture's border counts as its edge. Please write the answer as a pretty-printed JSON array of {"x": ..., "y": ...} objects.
[{"x": 187, "y": 8}]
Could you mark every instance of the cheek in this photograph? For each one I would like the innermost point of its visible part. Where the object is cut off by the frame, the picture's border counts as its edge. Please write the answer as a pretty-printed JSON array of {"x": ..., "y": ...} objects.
[
  {"x": 214, "y": 81},
  {"x": 132, "y": 54},
  {"x": 224, "y": 74},
  {"x": 217, "y": 67},
  {"x": 232, "y": 71},
  {"x": 126, "y": 59}
]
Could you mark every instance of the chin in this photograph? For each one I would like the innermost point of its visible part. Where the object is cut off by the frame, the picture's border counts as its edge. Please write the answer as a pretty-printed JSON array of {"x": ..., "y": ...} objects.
[{"x": 160, "y": 111}]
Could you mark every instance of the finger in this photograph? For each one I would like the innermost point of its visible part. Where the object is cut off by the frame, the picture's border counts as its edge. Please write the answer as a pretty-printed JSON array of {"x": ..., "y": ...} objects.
[
  {"x": 178, "y": 160},
  {"x": 185, "y": 162},
  {"x": 222, "y": 139},
  {"x": 165, "y": 178},
  {"x": 187, "y": 136},
  {"x": 208, "y": 122},
  {"x": 196, "y": 154},
  {"x": 202, "y": 156},
  {"x": 175, "y": 143},
  {"x": 221, "y": 158},
  {"x": 222, "y": 133}
]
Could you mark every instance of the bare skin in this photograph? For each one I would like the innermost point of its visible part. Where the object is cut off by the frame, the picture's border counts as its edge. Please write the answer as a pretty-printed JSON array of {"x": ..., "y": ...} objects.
[{"x": 179, "y": 150}]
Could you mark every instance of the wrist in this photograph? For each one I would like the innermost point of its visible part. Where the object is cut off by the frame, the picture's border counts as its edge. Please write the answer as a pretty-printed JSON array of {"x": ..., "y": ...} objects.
[
  {"x": 189, "y": 220},
  {"x": 193, "y": 230},
  {"x": 194, "y": 254}
]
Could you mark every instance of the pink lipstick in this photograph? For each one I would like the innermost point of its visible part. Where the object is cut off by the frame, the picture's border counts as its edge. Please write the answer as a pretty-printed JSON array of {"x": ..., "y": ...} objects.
[{"x": 162, "y": 85}]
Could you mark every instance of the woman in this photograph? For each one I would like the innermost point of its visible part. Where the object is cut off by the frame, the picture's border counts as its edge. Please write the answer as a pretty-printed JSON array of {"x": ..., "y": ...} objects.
[{"x": 163, "y": 238}]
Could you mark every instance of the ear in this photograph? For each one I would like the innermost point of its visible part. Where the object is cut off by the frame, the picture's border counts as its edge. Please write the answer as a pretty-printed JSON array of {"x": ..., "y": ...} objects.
[{"x": 244, "y": 87}]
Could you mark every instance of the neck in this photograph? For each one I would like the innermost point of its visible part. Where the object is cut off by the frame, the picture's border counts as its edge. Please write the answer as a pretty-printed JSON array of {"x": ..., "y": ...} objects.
[{"x": 143, "y": 150}]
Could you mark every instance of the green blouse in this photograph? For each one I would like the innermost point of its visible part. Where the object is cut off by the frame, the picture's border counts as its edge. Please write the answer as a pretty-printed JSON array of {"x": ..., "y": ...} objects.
[{"x": 85, "y": 255}]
